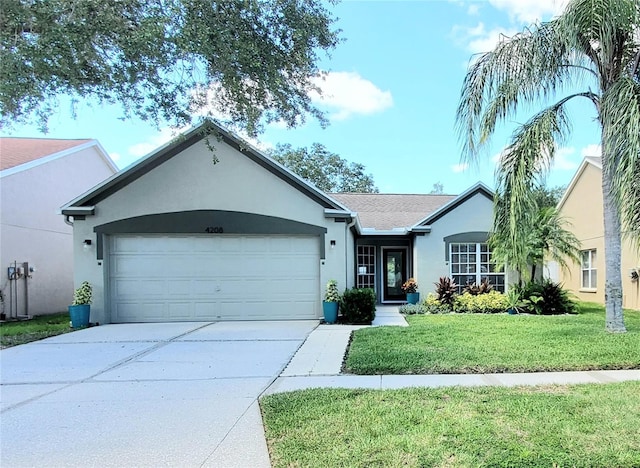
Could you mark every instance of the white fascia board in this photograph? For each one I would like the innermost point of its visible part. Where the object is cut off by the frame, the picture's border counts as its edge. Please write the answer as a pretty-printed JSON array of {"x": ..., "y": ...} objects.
[
  {"x": 389, "y": 232},
  {"x": 331, "y": 213},
  {"x": 574, "y": 180},
  {"x": 52, "y": 157}
]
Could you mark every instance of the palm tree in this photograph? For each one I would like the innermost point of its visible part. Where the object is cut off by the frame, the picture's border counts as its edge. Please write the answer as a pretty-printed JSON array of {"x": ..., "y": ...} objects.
[{"x": 595, "y": 44}]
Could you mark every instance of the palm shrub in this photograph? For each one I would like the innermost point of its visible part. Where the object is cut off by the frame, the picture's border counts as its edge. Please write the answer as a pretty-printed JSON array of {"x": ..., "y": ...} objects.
[
  {"x": 475, "y": 289},
  {"x": 545, "y": 298},
  {"x": 359, "y": 305},
  {"x": 446, "y": 291}
]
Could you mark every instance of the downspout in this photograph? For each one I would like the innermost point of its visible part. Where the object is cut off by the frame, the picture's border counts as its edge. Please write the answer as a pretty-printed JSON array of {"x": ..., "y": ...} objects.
[{"x": 346, "y": 256}]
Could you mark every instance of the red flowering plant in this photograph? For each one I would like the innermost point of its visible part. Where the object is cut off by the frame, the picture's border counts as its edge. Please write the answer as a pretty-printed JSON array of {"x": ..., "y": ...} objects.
[{"x": 411, "y": 286}]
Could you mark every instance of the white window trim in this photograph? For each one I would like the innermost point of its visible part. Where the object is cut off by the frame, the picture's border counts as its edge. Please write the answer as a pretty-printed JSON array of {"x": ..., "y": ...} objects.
[
  {"x": 479, "y": 274},
  {"x": 592, "y": 268}
]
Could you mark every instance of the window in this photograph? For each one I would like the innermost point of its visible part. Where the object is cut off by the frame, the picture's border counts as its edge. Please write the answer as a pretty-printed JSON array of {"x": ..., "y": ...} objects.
[
  {"x": 366, "y": 266},
  {"x": 471, "y": 263},
  {"x": 589, "y": 272}
]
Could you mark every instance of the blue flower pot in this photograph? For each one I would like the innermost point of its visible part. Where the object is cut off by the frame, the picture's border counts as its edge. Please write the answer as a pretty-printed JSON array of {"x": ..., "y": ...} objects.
[
  {"x": 413, "y": 298},
  {"x": 79, "y": 315},
  {"x": 330, "y": 311}
]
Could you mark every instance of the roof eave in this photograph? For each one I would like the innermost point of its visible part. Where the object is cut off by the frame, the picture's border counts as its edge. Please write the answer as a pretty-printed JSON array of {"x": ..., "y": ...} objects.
[{"x": 79, "y": 211}]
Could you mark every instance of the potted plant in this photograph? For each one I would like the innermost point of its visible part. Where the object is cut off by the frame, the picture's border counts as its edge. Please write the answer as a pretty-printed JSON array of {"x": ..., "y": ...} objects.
[
  {"x": 513, "y": 301},
  {"x": 80, "y": 309},
  {"x": 330, "y": 303},
  {"x": 410, "y": 287}
]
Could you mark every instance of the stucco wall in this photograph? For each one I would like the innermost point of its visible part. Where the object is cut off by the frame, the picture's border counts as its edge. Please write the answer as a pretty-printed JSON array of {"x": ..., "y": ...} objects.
[
  {"x": 583, "y": 208},
  {"x": 190, "y": 181},
  {"x": 33, "y": 231},
  {"x": 474, "y": 215}
]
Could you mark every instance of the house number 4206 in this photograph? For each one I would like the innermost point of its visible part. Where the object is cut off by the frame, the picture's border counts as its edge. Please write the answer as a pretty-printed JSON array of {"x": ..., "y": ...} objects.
[{"x": 214, "y": 230}]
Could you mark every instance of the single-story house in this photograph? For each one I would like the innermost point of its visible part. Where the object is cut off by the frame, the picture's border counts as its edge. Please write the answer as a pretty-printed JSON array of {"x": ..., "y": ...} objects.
[
  {"x": 176, "y": 237},
  {"x": 37, "y": 175},
  {"x": 582, "y": 205}
]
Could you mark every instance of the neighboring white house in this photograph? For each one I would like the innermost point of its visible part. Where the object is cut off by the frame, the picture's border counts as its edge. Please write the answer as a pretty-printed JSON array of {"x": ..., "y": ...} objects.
[
  {"x": 36, "y": 253},
  {"x": 178, "y": 238}
]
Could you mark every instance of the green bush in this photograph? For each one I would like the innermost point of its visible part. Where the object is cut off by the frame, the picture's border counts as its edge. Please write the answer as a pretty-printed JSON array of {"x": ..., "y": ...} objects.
[
  {"x": 359, "y": 305},
  {"x": 492, "y": 302},
  {"x": 429, "y": 305},
  {"x": 433, "y": 306},
  {"x": 546, "y": 298},
  {"x": 412, "y": 309}
]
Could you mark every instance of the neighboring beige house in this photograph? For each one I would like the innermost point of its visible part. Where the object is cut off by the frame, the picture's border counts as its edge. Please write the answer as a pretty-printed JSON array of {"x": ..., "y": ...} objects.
[
  {"x": 177, "y": 238},
  {"x": 582, "y": 206},
  {"x": 36, "y": 252}
]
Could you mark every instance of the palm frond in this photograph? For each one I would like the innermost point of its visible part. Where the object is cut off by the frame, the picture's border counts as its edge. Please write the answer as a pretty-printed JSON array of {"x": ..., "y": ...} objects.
[{"x": 620, "y": 115}]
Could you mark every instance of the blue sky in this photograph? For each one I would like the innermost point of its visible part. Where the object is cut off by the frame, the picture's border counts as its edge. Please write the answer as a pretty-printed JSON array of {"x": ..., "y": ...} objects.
[{"x": 391, "y": 94}]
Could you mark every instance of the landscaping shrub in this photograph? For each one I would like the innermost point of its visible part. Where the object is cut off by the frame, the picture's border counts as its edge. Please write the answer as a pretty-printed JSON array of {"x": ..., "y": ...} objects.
[
  {"x": 358, "y": 305},
  {"x": 412, "y": 309},
  {"x": 446, "y": 291},
  {"x": 546, "y": 298},
  {"x": 490, "y": 303},
  {"x": 429, "y": 305},
  {"x": 475, "y": 289}
]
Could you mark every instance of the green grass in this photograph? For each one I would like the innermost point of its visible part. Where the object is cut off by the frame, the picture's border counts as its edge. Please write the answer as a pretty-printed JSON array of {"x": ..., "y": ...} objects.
[
  {"x": 39, "y": 327},
  {"x": 478, "y": 343},
  {"x": 593, "y": 425}
]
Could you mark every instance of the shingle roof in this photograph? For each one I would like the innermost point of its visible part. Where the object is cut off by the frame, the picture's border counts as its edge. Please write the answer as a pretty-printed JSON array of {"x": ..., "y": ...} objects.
[
  {"x": 16, "y": 151},
  {"x": 384, "y": 212}
]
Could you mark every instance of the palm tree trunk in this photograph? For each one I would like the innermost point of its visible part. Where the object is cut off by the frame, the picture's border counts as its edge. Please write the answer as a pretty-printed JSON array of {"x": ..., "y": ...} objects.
[{"x": 613, "y": 255}]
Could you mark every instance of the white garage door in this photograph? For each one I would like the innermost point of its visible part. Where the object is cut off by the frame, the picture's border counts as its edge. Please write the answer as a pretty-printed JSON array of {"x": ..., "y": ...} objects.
[{"x": 222, "y": 277}]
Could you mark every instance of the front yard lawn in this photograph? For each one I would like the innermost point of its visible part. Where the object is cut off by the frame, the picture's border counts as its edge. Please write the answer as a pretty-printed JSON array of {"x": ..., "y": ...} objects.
[
  {"x": 42, "y": 326},
  {"x": 478, "y": 343},
  {"x": 581, "y": 425}
]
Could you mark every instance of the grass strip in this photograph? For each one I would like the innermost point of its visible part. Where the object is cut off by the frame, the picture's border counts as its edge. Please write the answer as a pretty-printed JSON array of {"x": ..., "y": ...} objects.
[
  {"x": 594, "y": 425},
  {"x": 477, "y": 343},
  {"x": 37, "y": 328}
]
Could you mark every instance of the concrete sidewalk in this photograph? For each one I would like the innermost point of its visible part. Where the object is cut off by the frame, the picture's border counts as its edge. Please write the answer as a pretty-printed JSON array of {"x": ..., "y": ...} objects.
[{"x": 319, "y": 360}]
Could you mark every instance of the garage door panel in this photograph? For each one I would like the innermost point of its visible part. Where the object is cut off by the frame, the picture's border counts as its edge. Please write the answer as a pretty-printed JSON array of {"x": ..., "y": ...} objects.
[
  {"x": 164, "y": 278},
  {"x": 180, "y": 311}
]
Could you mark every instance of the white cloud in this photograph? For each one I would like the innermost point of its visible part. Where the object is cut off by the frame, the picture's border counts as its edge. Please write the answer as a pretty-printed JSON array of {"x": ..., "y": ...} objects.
[
  {"x": 562, "y": 160},
  {"x": 477, "y": 39},
  {"x": 115, "y": 157},
  {"x": 473, "y": 9},
  {"x": 457, "y": 168},
  {"x": 529, "y": 11},
  {"x": 347, "y": 94},
  {"x": 141, "y": 149},
  {"x": 591, "y": 150}
]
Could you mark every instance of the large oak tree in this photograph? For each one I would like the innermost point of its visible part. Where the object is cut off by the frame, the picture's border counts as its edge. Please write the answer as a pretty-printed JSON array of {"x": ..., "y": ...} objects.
[
  {"x": 326, "y": 170},
  {"x": 242, "y": 61}
]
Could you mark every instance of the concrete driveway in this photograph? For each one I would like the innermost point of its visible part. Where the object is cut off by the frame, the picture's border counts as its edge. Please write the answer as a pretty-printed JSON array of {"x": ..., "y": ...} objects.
[{"x": 167, "y": 394}]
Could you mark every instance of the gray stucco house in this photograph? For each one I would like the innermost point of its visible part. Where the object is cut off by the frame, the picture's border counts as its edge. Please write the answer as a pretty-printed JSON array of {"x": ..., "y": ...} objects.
[{"x": 175, "y": 237}]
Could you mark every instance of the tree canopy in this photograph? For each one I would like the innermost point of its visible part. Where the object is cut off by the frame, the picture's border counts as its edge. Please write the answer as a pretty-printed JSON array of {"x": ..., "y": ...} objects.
[
  {"x": 240, "y": 61},
  {"x": 590, "y": 52},
  {"x": 324, "y": 169}
]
